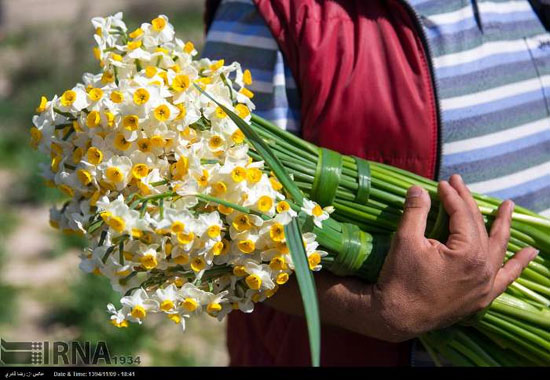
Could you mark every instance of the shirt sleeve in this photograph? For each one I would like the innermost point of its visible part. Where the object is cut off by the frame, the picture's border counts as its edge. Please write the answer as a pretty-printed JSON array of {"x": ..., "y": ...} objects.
[{"x": 239, "y": 33}]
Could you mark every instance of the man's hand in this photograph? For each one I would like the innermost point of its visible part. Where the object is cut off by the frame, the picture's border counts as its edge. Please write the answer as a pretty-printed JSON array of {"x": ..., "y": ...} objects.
[{"x": 425, "y": 284}]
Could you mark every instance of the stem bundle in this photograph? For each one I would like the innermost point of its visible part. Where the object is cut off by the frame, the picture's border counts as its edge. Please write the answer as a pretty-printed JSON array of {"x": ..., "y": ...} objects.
[{"x": 514, "y": 330}]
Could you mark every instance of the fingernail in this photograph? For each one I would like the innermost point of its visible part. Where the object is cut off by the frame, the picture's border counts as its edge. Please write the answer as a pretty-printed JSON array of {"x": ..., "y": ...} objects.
[
  {"x": 414, "y": 192},
  {"x": 534, "y": 254}
]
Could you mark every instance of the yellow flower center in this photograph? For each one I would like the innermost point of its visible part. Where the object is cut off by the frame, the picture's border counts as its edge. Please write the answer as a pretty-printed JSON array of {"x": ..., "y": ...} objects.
[
  {"x": 218, "y": 64},
  {"x": 184, "y": 238},
  {"x": 95, "y": 94},
  {"x": 182, "y": 259},
  {"x": 121, "y": 324},
  {"x": 219, "y": 187},
  {"x": 237, "y": 137},
  {"x": 144, "y": 144},
  {"x": 148, "y": 261},
  {"x": 136, "y": 33},
  {"x": 225, "y": 210},
  {"x": 117, "y": 97},
  {"x": 238, "y": 174},
  {"x": 177, "y": 227},
  {"x": 42, "y": 106},
  {"x": 94, "y": 156},
  {"x": 247, "y": 77},
  {"x": 282, "y": 206},
  {"x": 188, "y": 47},
  {"x": 68, "y": 98},
  {"x": 282, "y": 278},
  {"x": 246, "y": 92},
  {"x": 116, "y": 223},
  {"x": 130, "y": 122},
  {"x": 254, "y": 281},
  {"x": 36, "y": 137},
  {"x": 275, "y": 183},
  {"x": 239, "y": 270},
  {"x": 107, "y": 77},
  {"x": 158, "y": 24},
  {"x": 213, "y": 308},
  {"x": 114, "y": 174},
  {"x": 213, "y": 231},
  {"x": 218, "y": 248},
  {"x": 220, "y": 113},
  {"x": 253, "y": 175},
  {"x": 157, "y": 141},
  {"x": 183, "y": 112},
  {"x": 215, "y": 142},
  {"x": 67, "y": 190},
  {"x": 140, "y": 171},
  {"x": 314, "y": 259},
  {"x": 162, "y": 113},
  {"x": 277, "y": 263},
  {"x": 84, "y": 176},
  {"x": 150, "y": 71},
  {"x": 265, "y": 203},
  {"x": 174, "y": 318},
  {"x": 180, "y": 83},
  {"x": 138, "y": 312},
  {"x": 121, "y": 143},
  {"x": 202, "y": 180},
  {"x": 77, "y": 155},
  {"x": 93, "y": 119},
  {"x": 242, "y": 223},
  {"x": 277, "y": 232},
  {"x": 167, "y": 305},
  {"x": 198, "y": 264},
  {"x": 141, "y": 96},
  {"x": 242, "y": 110},
  {"x": 190, "y": 304},
  {"x": 317, "y": 211},
  {"x": 246, "y": 246},
  {"x": 133, "y": 45}
]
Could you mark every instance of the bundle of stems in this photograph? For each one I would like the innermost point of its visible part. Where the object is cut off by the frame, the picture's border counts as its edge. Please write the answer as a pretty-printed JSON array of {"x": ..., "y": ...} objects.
[{"x": 514, "y": 330}]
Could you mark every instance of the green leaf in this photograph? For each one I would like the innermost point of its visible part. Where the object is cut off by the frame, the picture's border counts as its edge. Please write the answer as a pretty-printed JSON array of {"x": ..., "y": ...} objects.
[
  {"x": 264, "y": 151},
  {"x": 307, "y": 288}
]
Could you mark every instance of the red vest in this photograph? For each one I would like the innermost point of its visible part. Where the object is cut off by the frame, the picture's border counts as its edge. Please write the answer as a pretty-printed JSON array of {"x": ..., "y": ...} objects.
[{"x": 366, "y": 90}]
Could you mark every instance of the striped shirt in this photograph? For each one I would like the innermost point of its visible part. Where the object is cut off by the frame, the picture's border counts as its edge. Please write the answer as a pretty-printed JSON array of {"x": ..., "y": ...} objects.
[{"x": 493, "y": 83}]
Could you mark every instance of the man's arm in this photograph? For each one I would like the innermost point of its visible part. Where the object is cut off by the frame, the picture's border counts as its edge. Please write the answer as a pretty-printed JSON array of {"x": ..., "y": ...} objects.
[{"x": 424, "y": 284}]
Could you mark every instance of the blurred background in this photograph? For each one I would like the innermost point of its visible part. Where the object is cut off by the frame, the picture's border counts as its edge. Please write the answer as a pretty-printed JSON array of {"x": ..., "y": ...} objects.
[{"x": 45, "y": 47}]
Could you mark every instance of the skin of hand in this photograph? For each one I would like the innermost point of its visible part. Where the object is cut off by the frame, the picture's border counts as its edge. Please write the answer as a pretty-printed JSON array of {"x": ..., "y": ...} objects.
[{"x": 424, "y": 284}]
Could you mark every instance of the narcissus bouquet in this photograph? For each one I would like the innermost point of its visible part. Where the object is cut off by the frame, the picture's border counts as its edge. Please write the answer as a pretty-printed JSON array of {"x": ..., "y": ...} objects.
[{"x": 191, "y": 204}]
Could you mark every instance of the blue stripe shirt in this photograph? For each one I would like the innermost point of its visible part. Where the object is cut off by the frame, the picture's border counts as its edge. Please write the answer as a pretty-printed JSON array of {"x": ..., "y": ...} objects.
[{"x": 493, "y": 82}]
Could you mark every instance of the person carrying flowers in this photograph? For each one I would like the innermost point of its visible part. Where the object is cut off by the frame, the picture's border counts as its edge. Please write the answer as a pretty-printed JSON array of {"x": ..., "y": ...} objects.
[{"x": 433, "y": 87}]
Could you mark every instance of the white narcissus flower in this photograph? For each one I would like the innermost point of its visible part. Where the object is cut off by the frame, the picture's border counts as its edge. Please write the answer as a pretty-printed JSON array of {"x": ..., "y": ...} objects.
[
  {"x": 180, "y": 218},
  {"x": 318, "y": 213}
]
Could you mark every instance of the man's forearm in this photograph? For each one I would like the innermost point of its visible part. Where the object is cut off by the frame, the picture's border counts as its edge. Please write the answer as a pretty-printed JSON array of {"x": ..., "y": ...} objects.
[{"x": 344, "y": 302}]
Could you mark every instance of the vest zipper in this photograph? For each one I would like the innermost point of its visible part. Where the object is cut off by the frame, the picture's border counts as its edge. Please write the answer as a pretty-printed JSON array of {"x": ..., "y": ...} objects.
[{"x": 426, "y": 43}]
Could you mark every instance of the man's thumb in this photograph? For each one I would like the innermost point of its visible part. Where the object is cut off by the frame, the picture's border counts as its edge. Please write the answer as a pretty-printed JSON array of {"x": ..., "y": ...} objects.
[{"x": 415, "y": 213}]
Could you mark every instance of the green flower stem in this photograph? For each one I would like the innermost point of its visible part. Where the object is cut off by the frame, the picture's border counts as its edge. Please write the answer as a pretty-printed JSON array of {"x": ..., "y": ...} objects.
[
  {"x": 517, "y": 330},
  {"x": 534, "y": 286},
  {"x": 545, "y": 334},
  {"x": 528, "y": 293},
  {"x": 518, "y": 340},
  {"x": 539, "y": 318}
]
